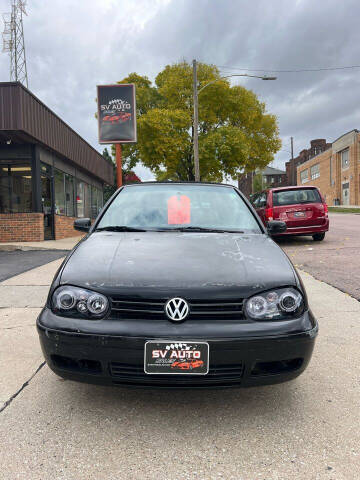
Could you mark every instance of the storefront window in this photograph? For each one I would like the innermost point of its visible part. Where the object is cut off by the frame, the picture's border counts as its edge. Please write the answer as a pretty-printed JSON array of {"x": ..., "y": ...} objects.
[
  {"x": 94, "y": 202},
  {"x": 80, "y": 199},
  {"x": 87, "y": 195},
  {"x": 100, "y": 200},
  {"x": 69, "y": 196},
  {"x": 4, "y": 190},
  {"x": 83, "y": 199},
  {"x": 59, "y": 192},
  {"x": 15, "y": 189}
]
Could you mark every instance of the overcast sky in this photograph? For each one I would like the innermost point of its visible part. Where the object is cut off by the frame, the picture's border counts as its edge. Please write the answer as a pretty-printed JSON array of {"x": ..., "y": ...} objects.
[{"x": 73, "y": 45}]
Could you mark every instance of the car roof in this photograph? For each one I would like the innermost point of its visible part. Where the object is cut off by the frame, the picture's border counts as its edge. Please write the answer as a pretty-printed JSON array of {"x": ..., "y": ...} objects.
[
  {"x": 214, "y": 184},
  {"x": 293, "y": 187}
]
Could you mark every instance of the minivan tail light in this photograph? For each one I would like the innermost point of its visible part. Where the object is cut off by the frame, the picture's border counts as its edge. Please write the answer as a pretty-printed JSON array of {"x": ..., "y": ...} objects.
[
  {"x": 269, "y": 213},
  {"x": 325, "y": 208}
]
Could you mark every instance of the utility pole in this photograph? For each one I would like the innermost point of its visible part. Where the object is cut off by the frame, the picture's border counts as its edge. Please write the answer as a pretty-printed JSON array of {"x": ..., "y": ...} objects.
[
  {"x": 13, "y": 41},
  {"x": 196, "y": 109},
  {"x": 293, "y": 170},
  {"x": 196, "y": 124}
]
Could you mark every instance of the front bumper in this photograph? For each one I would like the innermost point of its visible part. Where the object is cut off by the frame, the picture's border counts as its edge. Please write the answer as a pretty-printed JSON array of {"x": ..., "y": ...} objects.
[{"x": 240, "y": 356}]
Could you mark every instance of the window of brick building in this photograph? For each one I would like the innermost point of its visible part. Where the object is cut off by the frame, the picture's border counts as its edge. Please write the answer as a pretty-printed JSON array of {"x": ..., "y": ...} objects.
[
  {"x": 83, "y": 199},
  {"x": 304, "y": 176},
  {"x": 15, "y": 189},
  {"x": 69, "y": 195},
  {"x": 315, "y": 171},
  {"x": 345, "y": 162},
  {"x": 59, "y": 183}
]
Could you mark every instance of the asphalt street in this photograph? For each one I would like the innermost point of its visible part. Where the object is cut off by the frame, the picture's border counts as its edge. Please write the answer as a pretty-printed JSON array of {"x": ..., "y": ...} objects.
[
  {"x": 335, "y": 260},
  {"x": 18, "y": 261},
  {"x": 56, "y": 429}
]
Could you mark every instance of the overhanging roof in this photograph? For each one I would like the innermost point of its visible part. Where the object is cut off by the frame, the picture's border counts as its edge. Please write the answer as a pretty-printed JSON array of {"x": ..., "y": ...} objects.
[
  {"x": 25, "y": 118},
  {"x": 272, "y": 171}
]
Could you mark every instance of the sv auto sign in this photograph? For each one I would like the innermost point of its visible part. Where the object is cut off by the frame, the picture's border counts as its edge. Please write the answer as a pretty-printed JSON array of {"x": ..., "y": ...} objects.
[{"x": 117, "y": 113}]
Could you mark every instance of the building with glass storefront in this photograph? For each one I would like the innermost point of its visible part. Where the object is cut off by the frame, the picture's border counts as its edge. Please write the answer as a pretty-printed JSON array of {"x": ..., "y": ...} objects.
[{"x": 49, "y": 175}]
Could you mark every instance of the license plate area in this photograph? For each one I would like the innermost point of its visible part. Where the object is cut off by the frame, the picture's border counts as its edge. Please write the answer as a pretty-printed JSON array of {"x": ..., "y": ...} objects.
[
  {"x": 169, "y": 357},
  {"x": 299, "y": 214}
]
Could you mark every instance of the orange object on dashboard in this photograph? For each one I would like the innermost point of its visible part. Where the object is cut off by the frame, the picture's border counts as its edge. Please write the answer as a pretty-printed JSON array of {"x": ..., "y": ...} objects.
[{"x": 178, "y": 210}]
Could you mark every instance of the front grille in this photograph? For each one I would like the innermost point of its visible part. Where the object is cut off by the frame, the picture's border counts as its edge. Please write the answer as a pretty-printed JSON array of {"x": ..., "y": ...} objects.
[
  {"x": 136, "y": 372},
  {"x": 199, "y": 309}
]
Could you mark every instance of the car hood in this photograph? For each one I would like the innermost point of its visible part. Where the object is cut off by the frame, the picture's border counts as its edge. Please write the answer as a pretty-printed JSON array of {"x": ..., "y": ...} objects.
[{"x": 163, "y": 264}]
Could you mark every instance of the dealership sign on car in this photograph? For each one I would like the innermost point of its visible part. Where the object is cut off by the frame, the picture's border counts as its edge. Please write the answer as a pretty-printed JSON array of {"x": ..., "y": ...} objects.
[
  {"x": 174, "y": 357},
  {"x": 117, "y": 113}
]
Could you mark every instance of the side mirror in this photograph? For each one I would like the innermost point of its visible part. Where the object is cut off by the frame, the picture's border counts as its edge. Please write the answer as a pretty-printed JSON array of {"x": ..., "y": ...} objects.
[
  {"x": 275, "y": 227},
  {"x": 82, "y": 224}
]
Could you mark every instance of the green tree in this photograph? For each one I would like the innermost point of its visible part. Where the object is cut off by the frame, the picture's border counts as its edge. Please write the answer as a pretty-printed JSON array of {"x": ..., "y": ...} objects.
[
  {"x": 235, "y": 133},
  {"x": 257, "y": 182}
]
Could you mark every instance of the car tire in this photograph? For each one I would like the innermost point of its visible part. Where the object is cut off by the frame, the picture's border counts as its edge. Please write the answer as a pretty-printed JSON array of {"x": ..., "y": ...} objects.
[{"x": 318, "y": 237}]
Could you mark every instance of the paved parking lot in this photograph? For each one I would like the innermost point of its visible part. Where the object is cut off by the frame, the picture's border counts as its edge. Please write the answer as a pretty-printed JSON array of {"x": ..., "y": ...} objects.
[
  {"x": 305, "y": 429},
  {"x": 336, "y": 260},
  {"x": 18, "y": 261}
]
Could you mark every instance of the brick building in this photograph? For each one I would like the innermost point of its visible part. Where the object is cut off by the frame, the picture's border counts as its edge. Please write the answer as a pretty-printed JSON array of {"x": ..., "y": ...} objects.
[
  {"x": 271, "y": 178},
  {"x": 317, "y": 146},
  {"x": 49, "y": 175},
  {"x": 336, "y": 171}
]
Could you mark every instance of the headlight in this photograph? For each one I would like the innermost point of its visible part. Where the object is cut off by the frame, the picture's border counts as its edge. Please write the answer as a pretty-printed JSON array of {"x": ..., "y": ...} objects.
[
  {"x": 79, "y": 302},
  {"x": 275, "y": 304}
]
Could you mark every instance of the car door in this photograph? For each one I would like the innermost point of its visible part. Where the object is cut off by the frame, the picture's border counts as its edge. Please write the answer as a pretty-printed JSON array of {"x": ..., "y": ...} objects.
[{"x": 261, "y": 206}]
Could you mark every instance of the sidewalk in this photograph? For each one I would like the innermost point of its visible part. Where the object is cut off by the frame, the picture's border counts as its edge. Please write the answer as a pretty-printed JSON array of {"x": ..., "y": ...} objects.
[{"x": 63, "y": 244}]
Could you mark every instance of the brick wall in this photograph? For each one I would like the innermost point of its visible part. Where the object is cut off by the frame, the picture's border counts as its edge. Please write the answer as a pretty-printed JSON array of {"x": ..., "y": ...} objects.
[
  {"x": 316, "y": 147},
  {"x": 332, "y": 176},
  {"x": 21, "y": 227},
  {"x": 327, "y": 188},
  {"x": 64, "y": 227}
]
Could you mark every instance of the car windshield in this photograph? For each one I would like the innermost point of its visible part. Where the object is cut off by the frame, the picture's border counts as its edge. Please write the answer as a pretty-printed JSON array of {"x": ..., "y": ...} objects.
[
  {"x": 179, "y": 207},
  {"x": 291, "y": 197}
]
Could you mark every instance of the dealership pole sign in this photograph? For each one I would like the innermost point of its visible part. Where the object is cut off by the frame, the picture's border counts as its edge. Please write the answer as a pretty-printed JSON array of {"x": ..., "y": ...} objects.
[{"x": 117, "y": 113}]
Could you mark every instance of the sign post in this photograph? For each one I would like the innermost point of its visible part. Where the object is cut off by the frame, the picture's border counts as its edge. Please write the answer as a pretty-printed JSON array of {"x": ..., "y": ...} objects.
[
  {"x": 117, "y": 118},
  {"x": 118, "y": 157}
]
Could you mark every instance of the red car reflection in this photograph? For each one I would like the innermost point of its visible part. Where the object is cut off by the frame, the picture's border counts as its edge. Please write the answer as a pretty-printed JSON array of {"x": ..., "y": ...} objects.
[
  {"x": 187, "y": 364},
  {"x": 120, "y": 117}
]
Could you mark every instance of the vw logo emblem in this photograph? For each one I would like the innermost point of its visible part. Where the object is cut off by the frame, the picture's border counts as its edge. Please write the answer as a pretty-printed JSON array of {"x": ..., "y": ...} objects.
[{"x": 177, "y": 309}]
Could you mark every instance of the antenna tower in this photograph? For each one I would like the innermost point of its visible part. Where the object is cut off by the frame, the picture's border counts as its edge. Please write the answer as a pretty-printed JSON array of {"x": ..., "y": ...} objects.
[{"x": 13, "y": 41}]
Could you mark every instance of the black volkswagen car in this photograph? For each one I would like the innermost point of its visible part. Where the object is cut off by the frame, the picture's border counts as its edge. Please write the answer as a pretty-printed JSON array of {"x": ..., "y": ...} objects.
[{"x": 177, "y": 285}]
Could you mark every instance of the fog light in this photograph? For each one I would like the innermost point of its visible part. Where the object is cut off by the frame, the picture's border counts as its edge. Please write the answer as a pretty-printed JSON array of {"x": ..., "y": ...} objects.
[{"x": 97, "y": 304}]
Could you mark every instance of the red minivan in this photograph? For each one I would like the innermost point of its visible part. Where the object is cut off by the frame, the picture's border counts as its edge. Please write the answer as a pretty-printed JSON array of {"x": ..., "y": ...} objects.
[{"x": 303, "y": 209}]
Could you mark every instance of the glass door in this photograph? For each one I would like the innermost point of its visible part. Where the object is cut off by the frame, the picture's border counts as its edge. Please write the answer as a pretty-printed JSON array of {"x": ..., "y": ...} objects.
[{"x": 47, "y": 207}]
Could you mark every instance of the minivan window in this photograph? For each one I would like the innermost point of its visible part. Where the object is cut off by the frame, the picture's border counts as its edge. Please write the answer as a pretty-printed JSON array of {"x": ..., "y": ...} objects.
[
  {"x": 290, "y": 197},
  {"x": 260, "y": 200},
  {"x": 170, "y": 206}
]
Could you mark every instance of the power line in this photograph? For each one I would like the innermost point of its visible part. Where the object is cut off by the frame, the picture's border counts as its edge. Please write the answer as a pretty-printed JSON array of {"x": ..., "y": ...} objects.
[{"x": 289, "y": 71}]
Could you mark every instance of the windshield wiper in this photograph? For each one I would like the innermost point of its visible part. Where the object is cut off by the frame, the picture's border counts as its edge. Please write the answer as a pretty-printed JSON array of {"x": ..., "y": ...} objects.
[
  {"x": 204, "y": 229},
  {"x": 119, "y": 228}
]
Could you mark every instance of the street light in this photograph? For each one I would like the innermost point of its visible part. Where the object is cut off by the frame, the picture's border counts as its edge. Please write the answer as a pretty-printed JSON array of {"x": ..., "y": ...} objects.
[{"x": 196, "y": 110}]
